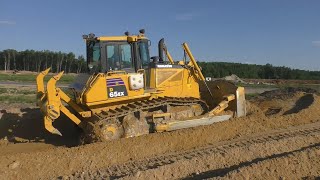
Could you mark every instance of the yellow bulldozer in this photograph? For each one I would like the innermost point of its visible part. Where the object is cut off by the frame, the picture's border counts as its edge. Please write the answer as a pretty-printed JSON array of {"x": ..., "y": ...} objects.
[{"x": 129, "y": 94}]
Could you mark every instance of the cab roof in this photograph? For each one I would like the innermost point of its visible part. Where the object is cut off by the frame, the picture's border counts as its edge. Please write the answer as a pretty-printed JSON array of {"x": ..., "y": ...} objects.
[{"x": 132, "y": 38}]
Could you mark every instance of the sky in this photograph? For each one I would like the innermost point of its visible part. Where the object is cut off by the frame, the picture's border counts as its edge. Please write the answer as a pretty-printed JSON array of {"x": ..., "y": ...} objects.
[{"x": 279, "y": 32}]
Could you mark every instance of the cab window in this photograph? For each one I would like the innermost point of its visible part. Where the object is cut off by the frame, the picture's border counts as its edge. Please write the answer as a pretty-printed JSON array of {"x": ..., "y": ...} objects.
[
  {"x": 96, "y": 52},
  {"x": 93, "y": 56},
  {"x": 144, "y": 53},
  {"x": 119, "y": 56},
  {"x": 113, "y": 57},
  {"x": 125, "y": 50}
]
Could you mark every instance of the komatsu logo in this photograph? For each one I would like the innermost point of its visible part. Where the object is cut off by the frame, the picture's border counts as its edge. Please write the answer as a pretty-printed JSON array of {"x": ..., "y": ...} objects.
[{"x": 164, "y": 65}]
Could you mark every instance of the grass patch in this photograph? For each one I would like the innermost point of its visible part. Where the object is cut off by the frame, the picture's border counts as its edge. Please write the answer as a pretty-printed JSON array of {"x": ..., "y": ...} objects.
[
  {"x": 26, "y": 92},
  {"x": 3, "y": 90},
  {"x": 16, "y": 95},
  {"x": 32, "y": 78},
  {"x": 15, "y": 91},
  {"x": 251, "y": 96},
  {"x": 18, "y": 99},
  {"x": 311, "y": 86}
]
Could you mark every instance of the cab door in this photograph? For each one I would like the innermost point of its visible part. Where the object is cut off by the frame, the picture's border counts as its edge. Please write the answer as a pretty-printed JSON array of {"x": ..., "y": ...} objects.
[{"x": 118, "y": 56}]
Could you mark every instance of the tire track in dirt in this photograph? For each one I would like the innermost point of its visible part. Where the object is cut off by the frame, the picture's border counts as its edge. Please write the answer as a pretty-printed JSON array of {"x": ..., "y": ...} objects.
[
  {"x": 224, "y": 171},
  {"x": 303, "y": 163},
  {"x": 156, "y": 165}
]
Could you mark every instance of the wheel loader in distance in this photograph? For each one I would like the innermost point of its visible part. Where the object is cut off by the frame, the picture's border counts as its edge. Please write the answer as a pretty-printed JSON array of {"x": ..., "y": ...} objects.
[{"x": 130, "y": 94}]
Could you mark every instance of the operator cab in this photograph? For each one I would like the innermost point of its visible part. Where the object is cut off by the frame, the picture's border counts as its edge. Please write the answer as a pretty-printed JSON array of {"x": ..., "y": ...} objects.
[{"x": 117, "y": 53}]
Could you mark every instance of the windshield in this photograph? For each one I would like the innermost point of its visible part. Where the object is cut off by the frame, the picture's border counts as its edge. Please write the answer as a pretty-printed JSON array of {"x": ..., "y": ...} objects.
[
  {"x": 144, "y": 53},
  {"x": 119, "y": 56},
  {"x": 125, "y": 51}
]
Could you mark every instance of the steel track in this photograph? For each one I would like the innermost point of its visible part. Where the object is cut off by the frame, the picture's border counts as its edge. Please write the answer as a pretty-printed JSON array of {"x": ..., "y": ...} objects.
[
  {"x": 124, "y": 110},
  {"x": 131, "y": 167},
  {"x": 110, "y": 116}
]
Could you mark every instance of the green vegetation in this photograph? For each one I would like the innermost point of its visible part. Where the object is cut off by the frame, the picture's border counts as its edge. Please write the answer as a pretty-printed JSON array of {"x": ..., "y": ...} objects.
[
  {"x": 14, "y": 95},
  {"x": 22, "y": 95},
  {"x": 251, "y": 96},
  {"x": 66, "y": 78},
  {"x": 253, "y": 71},
  {"x": 3, "y": 90},
  {"x": 31, "y": 60},
  {"x": 311, "y": 86},
  {"x": 18, "y": 99},
  {"x": 36, "y": 61},
  {"x": 17, "y": 90}
]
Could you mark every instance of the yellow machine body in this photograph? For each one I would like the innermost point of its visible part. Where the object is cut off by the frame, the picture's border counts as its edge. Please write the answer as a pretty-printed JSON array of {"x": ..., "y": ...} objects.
[{"x": 163, "y": 82}]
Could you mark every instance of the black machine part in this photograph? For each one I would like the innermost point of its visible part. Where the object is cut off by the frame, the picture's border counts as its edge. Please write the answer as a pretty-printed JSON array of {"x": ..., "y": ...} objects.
[{"x": 161, "y": 48}]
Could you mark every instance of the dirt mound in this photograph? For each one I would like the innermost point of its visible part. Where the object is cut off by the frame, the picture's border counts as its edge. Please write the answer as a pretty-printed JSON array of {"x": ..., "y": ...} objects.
[
  {"x": 285, "y": 93},
  {"x": 21, "y": 123},
  {"x": 285, "y": 101},
  {"x": 234, "y": 78}
]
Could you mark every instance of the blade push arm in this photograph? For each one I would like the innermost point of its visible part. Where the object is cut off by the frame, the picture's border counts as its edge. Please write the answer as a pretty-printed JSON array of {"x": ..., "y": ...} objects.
[
  {"x": 193, "y": 61},
  {"x": 195, "y": 65}
]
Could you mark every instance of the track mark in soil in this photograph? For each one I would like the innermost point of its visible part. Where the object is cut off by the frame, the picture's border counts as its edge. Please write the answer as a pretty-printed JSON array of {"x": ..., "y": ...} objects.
[
  {"x": 224, "y": 171},
  {"x": 132, "y": 167}
]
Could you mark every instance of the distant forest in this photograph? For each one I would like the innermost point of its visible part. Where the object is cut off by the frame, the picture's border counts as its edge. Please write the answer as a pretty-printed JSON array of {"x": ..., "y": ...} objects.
[
  {"x": 31, "y": 60},
  {"x": 253, "y": 71}
]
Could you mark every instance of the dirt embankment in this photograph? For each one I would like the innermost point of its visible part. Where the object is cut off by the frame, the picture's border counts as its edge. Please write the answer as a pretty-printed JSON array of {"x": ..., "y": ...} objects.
[
  {"x": 50, "y": 156},
  {"x": 281, "y": 81}
]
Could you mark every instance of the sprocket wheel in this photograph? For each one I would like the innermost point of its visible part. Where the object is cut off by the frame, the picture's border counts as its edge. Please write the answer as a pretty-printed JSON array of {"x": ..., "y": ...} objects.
[
  {"x": 101, "y": 131},
  {"x": 111, "y": 132}
]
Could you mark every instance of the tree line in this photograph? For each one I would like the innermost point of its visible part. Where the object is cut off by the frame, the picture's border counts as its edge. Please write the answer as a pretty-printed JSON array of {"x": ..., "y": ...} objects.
[
  {"x": 32, "y": 60},
  {"x": 253, "y": 71}
]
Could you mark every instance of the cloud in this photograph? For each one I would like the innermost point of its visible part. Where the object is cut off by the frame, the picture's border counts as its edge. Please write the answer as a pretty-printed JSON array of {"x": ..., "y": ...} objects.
[
  {"x": 248, "y": 62},
  {"x": 316, "y": 43},
  {"x": 185, "y": 16},
  {"x": 7, "y": 22}
]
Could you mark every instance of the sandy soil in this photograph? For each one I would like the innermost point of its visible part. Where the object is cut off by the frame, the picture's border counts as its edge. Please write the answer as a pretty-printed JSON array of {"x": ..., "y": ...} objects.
[
  {"x": 239, "y": 160},
  {"x": 303, "y": 163},
  {"x": 26, "y": 147}
]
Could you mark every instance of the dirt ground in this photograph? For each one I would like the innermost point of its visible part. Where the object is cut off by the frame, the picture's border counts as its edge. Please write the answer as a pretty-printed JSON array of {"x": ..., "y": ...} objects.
[
  {"x": 282, "y": 81},
  {"x": 27, "y": 151}
]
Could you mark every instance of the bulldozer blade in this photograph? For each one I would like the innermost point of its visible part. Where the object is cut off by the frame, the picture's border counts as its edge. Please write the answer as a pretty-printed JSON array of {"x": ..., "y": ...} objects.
[
  {"x": 222, "y": 89},
  {"x": 49, "y": 127},
  {"x": 241, "y": 102},
  {"x": 175, "y": 125}
]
